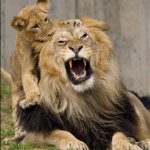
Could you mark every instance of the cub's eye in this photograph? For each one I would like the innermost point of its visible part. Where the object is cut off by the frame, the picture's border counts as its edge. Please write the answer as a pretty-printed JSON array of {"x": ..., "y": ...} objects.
[
  {"x": 61, "y": 42},
  {"x": 46, "y": 19},
  {"x": 84, "y": 36},
  {"x": 35, "y": 26}
]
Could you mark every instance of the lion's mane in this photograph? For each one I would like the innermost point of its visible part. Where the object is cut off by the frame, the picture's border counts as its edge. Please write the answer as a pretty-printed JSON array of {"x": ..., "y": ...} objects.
[{"x": 93, "y": 115}]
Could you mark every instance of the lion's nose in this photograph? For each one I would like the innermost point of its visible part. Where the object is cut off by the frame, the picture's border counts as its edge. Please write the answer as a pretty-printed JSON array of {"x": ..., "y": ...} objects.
[{"x": 76, "y": 48}]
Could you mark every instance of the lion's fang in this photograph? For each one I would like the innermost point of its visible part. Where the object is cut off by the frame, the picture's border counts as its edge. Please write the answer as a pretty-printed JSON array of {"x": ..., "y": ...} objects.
[
  {"x": 84, "y": 62},
  {"x": 70, "y": 63}
]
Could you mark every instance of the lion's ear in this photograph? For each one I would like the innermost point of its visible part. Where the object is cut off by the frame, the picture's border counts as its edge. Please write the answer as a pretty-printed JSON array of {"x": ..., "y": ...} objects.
[
  {"x": 18, "y": 23},
  {"x": 43, "y": 5},
  {"x": 93, "y": 23}
]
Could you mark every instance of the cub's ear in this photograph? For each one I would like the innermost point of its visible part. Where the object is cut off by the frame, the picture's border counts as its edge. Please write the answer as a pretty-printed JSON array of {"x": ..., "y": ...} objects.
[
  {"x": 18, "y": 23},
  {"x": 93, "y": 23},
  {"x": 43, "y": 5}
]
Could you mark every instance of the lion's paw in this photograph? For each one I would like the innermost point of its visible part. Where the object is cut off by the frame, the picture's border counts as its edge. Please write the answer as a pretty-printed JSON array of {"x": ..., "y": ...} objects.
[
  {"x": 125, "y": 146},
  {"x": 72, "y": 145},
  {"x": 145, "y": 144}
]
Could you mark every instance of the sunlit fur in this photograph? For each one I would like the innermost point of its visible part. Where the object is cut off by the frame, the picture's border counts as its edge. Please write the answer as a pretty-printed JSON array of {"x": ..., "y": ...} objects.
[
  {"x": 32, "y": 27},
  {"x": 85, "y": 85},
  {"x": 97, "y": 95},
  {"x": 104, "y": 85},
  {"x": 97, "y": 108}
]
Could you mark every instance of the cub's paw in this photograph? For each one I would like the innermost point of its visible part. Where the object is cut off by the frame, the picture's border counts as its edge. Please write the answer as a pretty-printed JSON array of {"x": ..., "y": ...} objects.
[
  {"x": 7, "y": 141},
  {"x": 73, "y": 23},
  {"x": 26, "y": 103},
  {"x": 72, "y": 145},
  {"x": 14, "y": 139}
]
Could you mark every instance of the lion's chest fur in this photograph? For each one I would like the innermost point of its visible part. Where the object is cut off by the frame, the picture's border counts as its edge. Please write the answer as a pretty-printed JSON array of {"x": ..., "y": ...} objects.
[{"x": 90, "y": 116}]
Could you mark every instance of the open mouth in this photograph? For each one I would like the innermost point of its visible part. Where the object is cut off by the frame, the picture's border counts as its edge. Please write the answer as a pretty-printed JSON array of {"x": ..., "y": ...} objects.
[{"x": 78, "y": 70}]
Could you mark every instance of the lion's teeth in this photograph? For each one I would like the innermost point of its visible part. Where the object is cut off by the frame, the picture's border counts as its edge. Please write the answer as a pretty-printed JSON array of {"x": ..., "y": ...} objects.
[
  {"x": 70, "y": 63},
  {"x": 84, "y": 62},
  {"x": 77, "y": 59}
]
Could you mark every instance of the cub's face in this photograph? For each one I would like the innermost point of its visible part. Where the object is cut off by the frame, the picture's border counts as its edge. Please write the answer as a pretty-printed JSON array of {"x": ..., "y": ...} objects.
[
  {"x": 32, "y": 22},
  {"x": 38, "y": 26}
]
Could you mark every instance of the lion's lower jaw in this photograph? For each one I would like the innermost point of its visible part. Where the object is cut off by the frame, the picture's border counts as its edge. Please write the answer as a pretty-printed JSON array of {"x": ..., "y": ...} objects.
[{"x": 84, "y": 85}]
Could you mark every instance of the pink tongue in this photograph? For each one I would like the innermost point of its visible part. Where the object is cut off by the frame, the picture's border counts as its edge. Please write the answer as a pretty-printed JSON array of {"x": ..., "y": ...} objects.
[{"x": 78, "y": 67}]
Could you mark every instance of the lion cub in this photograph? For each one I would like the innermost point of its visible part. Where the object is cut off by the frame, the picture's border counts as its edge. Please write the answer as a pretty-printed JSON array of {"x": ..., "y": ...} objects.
[{"x": 33, "y": 26}]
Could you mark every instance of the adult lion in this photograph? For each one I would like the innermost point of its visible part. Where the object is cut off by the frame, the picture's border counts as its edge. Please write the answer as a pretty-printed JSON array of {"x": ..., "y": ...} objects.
[{"x": 84, "y": 102}]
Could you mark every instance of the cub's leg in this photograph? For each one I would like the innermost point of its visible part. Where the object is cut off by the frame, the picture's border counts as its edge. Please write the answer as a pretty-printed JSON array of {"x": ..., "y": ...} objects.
[
  {"x": 31, "y": 91},
  {"x": 62, "y": 140},
  {"x": 17, "y": 138},
  {"x": 29, "y": 81},
  {"x": 121, "y": 142},
  {"x": 17, "y": 94}
]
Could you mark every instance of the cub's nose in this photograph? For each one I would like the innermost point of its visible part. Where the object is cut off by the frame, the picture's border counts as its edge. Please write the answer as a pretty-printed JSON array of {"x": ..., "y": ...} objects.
[{"x": 76, "y": 48}]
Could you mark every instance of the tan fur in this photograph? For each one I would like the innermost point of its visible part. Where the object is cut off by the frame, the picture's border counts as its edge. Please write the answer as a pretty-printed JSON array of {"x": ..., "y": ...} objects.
[
  {"x": 63, "y": 140},
  {"x": 121, "y": 142},
  {"x": 97, "y": 49},
  {"x": 60, "y": 82},
  {"x": 32, "y": 26}
]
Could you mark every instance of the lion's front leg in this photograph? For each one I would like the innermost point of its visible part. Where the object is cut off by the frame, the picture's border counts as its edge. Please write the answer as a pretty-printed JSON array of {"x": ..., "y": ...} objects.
[
  {"x": 121, "y": 142},
  {"x": 62, "y": 140}
]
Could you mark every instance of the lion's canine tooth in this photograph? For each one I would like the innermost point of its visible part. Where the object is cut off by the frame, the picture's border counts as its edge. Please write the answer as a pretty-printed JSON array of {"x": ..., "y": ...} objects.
[
  {"x": 70, "y": 63},
  {"x": 84, "y": 62}
]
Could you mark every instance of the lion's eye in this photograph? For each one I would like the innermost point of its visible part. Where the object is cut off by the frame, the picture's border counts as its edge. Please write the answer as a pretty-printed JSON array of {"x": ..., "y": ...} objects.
[
  {"x": 36, "y": 26},
  {"x": 84, "y": 36},
  {"x": 61, "y": 42}
]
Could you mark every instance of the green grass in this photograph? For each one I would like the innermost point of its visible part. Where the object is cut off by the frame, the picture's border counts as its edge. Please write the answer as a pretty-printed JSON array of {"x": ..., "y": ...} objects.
[
  {"x": 26, "y": 147},
  {"x": 5, "y": 91},
  {"x": 20, "y": 147},
  {"x": 7, "y": 126},
  {"x": 6, "y": 133}
]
